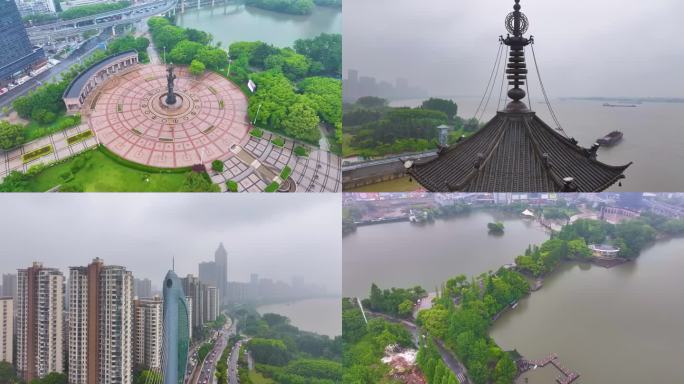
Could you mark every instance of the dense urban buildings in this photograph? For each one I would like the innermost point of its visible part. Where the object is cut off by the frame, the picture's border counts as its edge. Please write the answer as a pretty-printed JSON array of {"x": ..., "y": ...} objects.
[
  {"x": 101, "y": 324},
  {"x": 148, "y": 333},
  {"x": 9, "y": 285},
  {"x": 193, "y": 289},
  {"x": 40, "y": 306},
  {"x": 18, "y": 54},
  {"x": 211, "y": 303},
  {"x": 176, "y": 339},
  {"x": 7, "y": 329},
  {"x": 142, "y": 288}
]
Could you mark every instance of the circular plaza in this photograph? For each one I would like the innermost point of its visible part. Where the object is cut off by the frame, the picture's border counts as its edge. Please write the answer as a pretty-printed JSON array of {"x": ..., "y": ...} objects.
[{"x": 129, "y": 117}]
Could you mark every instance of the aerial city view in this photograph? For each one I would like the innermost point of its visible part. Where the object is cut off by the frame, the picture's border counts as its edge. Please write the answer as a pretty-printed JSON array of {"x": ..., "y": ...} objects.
[
  {"x": 512, "y": 288},
  {"x": 240, "y": 291},
  {"x": 170, "y": 95},
  {"x": 495, "y": 96}
]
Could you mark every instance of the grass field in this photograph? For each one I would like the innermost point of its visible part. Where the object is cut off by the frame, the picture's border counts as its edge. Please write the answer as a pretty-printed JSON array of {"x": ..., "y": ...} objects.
[
  {"x": 258, "y": 378},
  {"x": 103, "y": 174}
]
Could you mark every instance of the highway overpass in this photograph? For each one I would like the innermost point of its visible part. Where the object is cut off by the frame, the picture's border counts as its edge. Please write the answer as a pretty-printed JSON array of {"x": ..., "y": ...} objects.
[{"x": 42, "y": 34}]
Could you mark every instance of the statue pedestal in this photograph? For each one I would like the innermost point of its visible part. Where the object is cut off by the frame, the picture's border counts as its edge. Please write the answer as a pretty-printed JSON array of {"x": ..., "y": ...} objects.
[{"x": 176, "y": 105}]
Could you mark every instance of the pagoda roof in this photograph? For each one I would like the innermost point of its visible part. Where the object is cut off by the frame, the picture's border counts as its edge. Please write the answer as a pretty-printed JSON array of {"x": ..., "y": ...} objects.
[{"x": 516, "y": 152}]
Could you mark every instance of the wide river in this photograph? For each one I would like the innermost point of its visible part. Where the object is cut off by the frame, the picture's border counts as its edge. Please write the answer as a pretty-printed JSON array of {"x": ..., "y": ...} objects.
[
  {"x": 620, "y": 325},
  {"x": 322, "y": 316},
  {"x": 653, "y": 138},
  {"x": 405, "y": 255},
  {"x": 231, "y": 22}
]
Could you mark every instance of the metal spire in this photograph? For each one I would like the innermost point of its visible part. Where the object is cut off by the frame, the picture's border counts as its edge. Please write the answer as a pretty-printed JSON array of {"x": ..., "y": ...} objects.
[{"x": 516, "y": 24}]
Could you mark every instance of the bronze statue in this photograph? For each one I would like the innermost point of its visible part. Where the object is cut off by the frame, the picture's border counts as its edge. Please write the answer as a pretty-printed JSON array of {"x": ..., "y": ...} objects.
[{"x": 170, "y": 96}]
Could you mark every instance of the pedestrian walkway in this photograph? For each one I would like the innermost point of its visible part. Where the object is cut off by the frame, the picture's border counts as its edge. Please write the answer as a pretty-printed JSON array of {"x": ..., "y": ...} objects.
[{"x": 56, "y": 147}]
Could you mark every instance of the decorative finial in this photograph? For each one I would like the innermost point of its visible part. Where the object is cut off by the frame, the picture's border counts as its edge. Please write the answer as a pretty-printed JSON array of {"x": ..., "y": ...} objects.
[
  {"x": 173, "y": 264},
  {"x": 516, "y": 25}
]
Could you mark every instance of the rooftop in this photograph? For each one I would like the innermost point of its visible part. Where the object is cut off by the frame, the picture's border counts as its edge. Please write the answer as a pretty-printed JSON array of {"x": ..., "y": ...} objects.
[
  {"x": 516, "y": 151},
  {"x": 74, "y": 89}
]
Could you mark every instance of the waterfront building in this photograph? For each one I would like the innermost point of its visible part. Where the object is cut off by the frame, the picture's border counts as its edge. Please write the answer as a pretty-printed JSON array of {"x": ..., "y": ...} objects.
[
  {"x": 18, "y": 54},
  {"x": 221, "y": 261},
  {"x": 147, "y": 342},
  {"x": 40, "y": 316},
  {"x": 516, "y": 151},
  {"x": 100, "y": 324},
  {"x": 176, "y": 335},
  {"x": 604, "y": 251},
  {"x": 7, "y": 329}
]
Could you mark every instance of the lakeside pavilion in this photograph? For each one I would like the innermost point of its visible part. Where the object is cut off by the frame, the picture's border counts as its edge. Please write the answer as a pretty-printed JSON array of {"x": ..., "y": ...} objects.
[{"x": 516, "y": 151}]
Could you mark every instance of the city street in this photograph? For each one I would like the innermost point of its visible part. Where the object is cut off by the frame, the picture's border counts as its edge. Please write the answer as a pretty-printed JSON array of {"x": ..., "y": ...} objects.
[{"x": 53, "y": 73}]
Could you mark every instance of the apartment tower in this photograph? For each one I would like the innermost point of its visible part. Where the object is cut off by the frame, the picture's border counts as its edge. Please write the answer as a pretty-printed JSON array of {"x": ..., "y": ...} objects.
[
  {"x": 7, "y": 329},
  {"x": 147, "y": 343},
  {"x": 40, "y": 302},
  {"x": 100, "y": 324}
]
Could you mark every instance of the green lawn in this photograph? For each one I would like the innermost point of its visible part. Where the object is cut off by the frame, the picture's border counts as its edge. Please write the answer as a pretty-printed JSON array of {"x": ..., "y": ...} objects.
[
  {"x": 103, "y": 174},
  {"x": 258, "y": 378},
  {"x": 34, "y": 130}
]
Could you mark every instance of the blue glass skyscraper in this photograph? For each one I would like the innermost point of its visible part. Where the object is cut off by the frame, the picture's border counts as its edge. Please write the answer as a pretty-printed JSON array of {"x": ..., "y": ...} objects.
[{"x": 176, "y": 330}]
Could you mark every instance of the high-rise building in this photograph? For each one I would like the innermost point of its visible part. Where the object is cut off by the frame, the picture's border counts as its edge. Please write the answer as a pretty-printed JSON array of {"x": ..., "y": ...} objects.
[
  {"x": 9, "y": 284},
  {"x": 193, "y": 289},
  {"x": 148, "y": 333},
  {"x": 211, "y": 303},
  {"x": 100, "y": 324},
  {"x": 188, "y": 300},
  {"x": 221, "y": 260},
  {"x": 40, "y": 304},
  {"x": 142, "y": 288},
  {"x": 7, "y": 329},
  {"x": 176, "y": 339},
  {"x": 18, "y": 54},
  {"x": 207, "y": 273}
]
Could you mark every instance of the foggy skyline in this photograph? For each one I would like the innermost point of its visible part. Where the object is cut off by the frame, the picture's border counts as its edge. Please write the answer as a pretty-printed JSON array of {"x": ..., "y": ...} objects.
[
  {"x": 584, "y": 48},
  {"x": 278, "y": 238}
]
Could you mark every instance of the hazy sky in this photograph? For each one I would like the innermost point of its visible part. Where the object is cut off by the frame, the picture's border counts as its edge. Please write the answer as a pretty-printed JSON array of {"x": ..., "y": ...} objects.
[
  {"x": 584, "y": 47},
  {"x": 275, "y": 235}
]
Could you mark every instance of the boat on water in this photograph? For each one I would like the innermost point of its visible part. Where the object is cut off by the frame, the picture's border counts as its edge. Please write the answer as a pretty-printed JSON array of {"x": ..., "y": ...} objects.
[
  {"x": 514, "y": 305},
  {"x": 610, "y": 139}
]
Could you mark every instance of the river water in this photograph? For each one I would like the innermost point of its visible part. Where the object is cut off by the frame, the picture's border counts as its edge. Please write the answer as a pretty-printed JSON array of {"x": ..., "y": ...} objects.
[
  {"x": 620, "y": 325},
  {"x": 653, "y": 138},
  {"x": 405, "y": 255},
  {"x": 231, "y": 22},
  {"x": 322, "y": 316}
]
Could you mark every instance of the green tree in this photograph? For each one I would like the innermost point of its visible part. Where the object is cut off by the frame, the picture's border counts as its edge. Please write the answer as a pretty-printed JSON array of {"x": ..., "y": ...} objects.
[
  {"x": 505, "y": 370},
  {"x": 184, "y": 52},
  {"x": 197, "y": 68},
  {"x": 11, "y": 135},
  {"x": 198, "y": 182},
  {"x": 217, "y": 166},
  {"x": 302, "y": 122},
  {"x": 448, "y": 107}
]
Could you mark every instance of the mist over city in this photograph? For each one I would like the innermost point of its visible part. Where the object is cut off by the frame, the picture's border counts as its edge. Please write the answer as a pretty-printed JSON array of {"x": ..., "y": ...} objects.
[
  {"x": 584, "y": 48},
  {"x": 281, "y": 239}
]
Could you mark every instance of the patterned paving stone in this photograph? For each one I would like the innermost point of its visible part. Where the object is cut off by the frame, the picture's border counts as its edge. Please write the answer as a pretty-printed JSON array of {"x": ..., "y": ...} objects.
[{"x": 129, "y": 120}]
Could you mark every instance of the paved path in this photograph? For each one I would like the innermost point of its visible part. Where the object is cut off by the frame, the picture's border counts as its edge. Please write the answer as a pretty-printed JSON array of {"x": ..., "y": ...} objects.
[
  {"x": 319, "y": 172},
  {"x": 13, "y": 160}
]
